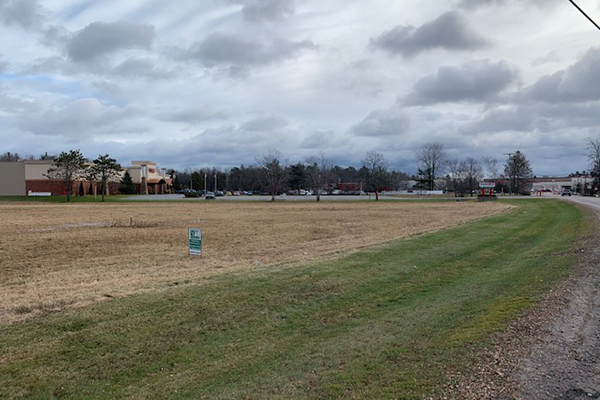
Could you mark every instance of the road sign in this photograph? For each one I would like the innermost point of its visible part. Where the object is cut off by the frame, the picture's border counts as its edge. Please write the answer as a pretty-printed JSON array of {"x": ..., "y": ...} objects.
[{"x": 195, "y": 241}]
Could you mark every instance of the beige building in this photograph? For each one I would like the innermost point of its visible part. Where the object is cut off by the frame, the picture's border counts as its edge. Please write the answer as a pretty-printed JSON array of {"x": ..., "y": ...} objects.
[
  {"x": 28, "y": 178},
  {"x": 12, "y": 179}
]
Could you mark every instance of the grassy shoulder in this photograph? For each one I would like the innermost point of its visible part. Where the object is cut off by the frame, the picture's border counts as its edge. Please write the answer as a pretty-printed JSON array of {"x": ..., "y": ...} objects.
[{"x": 386, "y": 322}]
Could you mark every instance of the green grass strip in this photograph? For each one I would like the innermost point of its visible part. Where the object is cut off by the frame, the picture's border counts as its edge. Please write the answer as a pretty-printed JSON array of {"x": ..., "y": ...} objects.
[{"x": 385, "y": 322}]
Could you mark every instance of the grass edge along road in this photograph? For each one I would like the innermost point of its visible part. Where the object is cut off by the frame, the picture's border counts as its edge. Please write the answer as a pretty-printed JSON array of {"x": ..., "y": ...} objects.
[{"x": 386, "y": 322}]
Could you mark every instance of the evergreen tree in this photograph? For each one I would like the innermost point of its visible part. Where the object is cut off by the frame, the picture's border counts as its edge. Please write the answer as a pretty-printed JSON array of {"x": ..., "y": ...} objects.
[
  {"x": 105, "y": 169},
  {"x": 127, "y": 185},
  {"x": 297, "y": 177},
  {"x": 518, "y": 171}
]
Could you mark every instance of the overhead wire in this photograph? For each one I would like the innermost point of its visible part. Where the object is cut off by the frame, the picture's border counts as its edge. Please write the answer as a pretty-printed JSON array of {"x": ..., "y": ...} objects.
[{"x": 583, "y": 12}]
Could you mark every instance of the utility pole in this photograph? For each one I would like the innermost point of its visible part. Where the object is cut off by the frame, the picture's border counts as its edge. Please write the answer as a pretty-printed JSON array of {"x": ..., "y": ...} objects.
[
  {"x": 216, "y": 182},
  {"x": 205, "y": 189},
  {"x": 510, "y": 178}
]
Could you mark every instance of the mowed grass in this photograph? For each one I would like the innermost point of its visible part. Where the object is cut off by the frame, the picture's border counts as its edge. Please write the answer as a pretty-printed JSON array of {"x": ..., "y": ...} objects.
[{"x": 386, "y": 322}]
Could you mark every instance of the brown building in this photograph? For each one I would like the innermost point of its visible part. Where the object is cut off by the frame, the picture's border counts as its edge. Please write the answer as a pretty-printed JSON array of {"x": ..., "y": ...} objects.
[{"x": 28, "y": 178}]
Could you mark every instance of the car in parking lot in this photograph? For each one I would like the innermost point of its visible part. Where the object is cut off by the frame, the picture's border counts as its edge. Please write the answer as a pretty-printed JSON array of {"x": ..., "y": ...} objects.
[
  {"x": 566, "y": 192},
  {"x": 209, "y": 196}
]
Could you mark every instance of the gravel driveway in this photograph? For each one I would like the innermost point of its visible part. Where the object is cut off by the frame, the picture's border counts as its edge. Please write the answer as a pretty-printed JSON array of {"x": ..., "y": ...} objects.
[
  {"x": 553, "y": 351},
  {"x": 565, "y": 364}
]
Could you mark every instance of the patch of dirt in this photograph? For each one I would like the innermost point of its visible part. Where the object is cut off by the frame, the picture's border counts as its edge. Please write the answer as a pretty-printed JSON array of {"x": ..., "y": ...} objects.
[
  {"x": 72, "y": 254},
  {"x": 552, "y": 352}
]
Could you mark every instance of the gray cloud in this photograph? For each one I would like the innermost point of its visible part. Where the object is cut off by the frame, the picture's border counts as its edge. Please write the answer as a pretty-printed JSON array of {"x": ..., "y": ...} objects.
[
  {"x": 261, "y": 10},
  {"x": 382, "y": 123},
  {"x": 474, "y": 81},
  {"x": 239, "y": 52},
  {"x": 320, "y": 140},
  {"x": 265, "y": 123},
  {"x": 140, "y": 68},
  {"x": 535, "y": 117},
  {"x": 449, "y": 31},
  {"x": 101, "y": 38},
  {"x": 503, "y": 119},
  {"x": 24, "y": 13},
  {"x": 192, "y": 116},
  {"x": 80, "y": 117},
  {"x": 579, "y": 82},
  {"x": 473, "y": 4},
  {"x": 482, "y": 3}
]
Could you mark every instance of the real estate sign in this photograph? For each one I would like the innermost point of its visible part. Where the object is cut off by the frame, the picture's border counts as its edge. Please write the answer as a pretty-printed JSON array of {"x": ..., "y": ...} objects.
[{"x": 195, "y": 241}]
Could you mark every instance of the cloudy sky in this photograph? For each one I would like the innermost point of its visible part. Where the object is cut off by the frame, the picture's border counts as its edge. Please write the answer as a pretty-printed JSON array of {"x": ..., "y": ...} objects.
[{"x": 192, "y": 83}]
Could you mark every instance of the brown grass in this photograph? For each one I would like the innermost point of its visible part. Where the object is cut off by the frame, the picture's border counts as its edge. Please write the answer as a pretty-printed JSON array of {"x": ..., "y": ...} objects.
[{"x": 54, "y": 255}]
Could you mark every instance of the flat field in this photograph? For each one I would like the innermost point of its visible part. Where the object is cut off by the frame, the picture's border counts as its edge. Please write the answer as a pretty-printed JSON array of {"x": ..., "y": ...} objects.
[
  {"x": 61, "y": 255},
  {"x": 406, "y": 319}
]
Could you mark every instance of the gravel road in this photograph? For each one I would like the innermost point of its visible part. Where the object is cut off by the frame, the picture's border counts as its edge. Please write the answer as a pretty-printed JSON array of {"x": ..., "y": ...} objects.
[
  {"x": 565, "y": 364},
  {"x": 553, "y": 351}
]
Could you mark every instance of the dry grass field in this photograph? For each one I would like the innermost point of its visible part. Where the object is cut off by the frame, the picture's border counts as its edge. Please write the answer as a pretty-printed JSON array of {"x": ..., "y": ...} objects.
[{"x": 61, "y": 255}]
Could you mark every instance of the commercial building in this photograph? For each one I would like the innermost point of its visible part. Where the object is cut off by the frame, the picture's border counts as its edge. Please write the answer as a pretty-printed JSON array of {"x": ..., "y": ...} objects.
[{"x": 29, "y": 178}]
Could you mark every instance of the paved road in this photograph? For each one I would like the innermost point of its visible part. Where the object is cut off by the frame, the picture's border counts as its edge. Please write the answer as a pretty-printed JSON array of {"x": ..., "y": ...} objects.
[
  {"x": 162, "y": 197},
  {"x": 593, "y": 202}
]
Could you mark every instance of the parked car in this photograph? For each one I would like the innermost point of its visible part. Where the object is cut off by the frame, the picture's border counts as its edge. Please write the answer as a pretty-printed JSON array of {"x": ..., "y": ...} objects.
[
  {"x": 191, "y": 193},
  {"x": 566, "y": 192},
  {"x": 209, "y": 196}
]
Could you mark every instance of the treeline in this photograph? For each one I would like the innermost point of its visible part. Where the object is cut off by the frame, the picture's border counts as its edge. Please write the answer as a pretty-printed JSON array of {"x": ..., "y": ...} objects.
[
  {"x": 318, "y": 174},
  {"x": 252, "y": 178},
  {"x": 16, "y": 157}
]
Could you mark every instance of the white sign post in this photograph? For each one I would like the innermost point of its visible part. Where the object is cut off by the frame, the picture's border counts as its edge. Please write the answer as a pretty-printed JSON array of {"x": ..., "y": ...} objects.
[{"x": 195, "y": 241}]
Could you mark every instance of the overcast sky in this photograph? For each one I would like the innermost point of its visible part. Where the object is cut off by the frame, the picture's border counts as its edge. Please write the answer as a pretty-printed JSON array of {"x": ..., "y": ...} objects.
[{"x": 190, "y": 83}]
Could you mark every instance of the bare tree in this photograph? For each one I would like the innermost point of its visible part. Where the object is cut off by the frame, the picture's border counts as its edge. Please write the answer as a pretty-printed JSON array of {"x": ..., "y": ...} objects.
[
  {"x": 273, "y": 170},
  {"x": 593, "y": 148},
  {"x": 67, "y": 167},
  {"x": 432, "y": 161},
  {"x": 456, "y": 174},
  {"x": 318, "y": 169},
  {"x": 491, "y": 165},
  {"x": 473, "y": 173},
  {"x": 10, "y": 157},
  {"x": 376, "y": 168}
]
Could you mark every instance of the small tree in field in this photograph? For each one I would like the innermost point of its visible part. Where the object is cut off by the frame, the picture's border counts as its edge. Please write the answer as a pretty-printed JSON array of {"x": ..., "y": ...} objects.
[
  {"x": 67, "y": 167},
  {"x": 377, "y": 175},
  {"x": 432, "y": 160},
  {"x": 318, "y": 171},
  {"x": 472, "y": 172},
  {"x": 106, "y": 169},
  {"x": 517, "y": 169},
  {"x": 127, "y": 185},
  {"x": 297, "y": 177},
  {"x": 273, "y": 170}
]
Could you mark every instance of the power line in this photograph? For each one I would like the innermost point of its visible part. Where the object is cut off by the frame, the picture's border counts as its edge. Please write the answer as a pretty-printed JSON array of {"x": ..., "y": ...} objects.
[{"x": 583, "y": 12}]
